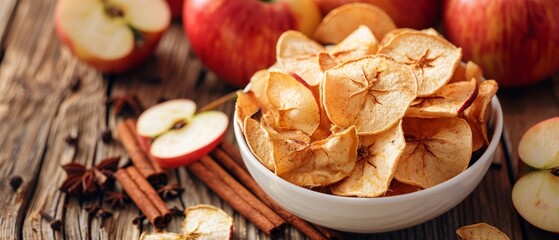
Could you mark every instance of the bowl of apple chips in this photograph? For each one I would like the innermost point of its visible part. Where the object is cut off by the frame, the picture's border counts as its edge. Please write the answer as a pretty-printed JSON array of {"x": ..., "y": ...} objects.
[{"x": 370, "y": 131}]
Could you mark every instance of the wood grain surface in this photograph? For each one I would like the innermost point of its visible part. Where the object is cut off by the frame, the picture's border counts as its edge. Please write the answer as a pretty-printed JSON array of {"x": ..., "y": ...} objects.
[{"x": 38, "y": 109}]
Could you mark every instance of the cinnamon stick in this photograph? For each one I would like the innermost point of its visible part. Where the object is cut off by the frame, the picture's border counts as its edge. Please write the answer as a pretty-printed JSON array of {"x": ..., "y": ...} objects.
[
  {"x": 209, "y": 163},
  {"x": 237, "y": 170},
  {"x": 148, "y": 190},
  {"x": 214, "y": 182},
  {"x": 128, "y": 138},
  {"x": 329, "y": 233},
  {"x": 131, "y": 124},
  {"x": 233, "y": 152},
  {"x": 140, "y": 199}
]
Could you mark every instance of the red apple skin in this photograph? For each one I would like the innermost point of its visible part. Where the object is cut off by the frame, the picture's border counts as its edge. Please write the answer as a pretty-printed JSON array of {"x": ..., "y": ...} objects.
[
  {"x": 516, "y": 42},
  {"x": 186, "y": 159},
  {"x": 176, "y": 7},
  {"x": 418, "y": 14},
  {"x": 236, "y": 38},
  {"x": 138, "y": 55}
]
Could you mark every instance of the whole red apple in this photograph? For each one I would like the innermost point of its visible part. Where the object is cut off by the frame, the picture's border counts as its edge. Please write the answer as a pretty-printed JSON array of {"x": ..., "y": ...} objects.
[
  {"x": 516, "y": 42},
  {"x": 236, "y": 38},
  {"x": 114, "y": 36},
  {"x": 418, "y": 14}
]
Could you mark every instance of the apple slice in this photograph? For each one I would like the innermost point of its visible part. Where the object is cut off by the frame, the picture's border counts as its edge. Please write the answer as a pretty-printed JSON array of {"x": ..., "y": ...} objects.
[
  {"x": 535, "y": 197},
  {"x": 184, "y": 145},
  {"x": 207, "y": 222},
  {"x": 112, "y": 35},
  {"x": 161, "y": 117},
  {"x": 538, "y": 146}
]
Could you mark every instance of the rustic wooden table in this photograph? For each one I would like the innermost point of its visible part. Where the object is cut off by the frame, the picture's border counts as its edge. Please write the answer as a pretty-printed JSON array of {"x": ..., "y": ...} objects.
[{"x": 41, "y": 103}]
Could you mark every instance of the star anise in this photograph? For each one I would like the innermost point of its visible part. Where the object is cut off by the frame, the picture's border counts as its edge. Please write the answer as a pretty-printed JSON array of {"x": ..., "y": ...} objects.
[
  {"x": 116, "y": 199},
  {"x": 84, "y": 183},
  {"x": 170, "y": 191},
  {"x": 123, "y": 102}
]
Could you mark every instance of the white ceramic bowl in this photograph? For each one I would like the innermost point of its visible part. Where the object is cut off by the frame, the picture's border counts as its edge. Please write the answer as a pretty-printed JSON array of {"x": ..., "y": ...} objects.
[{"x": 371, "y": 215}]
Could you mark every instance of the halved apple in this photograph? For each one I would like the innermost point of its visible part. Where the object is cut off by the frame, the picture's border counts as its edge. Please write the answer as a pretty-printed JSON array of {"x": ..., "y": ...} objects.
[
  {"x": 159, "y": 118},
  {"x": 179, "y": 147},
  {"x": 539, "y": 146},
  {"x": 112, "y": 35},
  {"x": 535, "y": 197}
]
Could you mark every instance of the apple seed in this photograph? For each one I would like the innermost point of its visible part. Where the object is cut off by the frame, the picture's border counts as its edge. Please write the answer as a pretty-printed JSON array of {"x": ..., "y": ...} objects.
[{"x": 555, "y": 172}]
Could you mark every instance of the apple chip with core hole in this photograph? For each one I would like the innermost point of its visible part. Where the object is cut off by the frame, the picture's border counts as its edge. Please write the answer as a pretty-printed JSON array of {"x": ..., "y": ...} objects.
[
  {"x": 359, "y": 43},
  {"x": 340, "y": 22},
  {"x": 372, "y": 93},
  {"x": 317, "y": 164},
  {"x": 478, "y": 113},
  {"x": 297, "y": 53},
  {"x": 481, "y": 231},
  {"x": 246, "y": 106},
  {"x": 449, "y": 101},
  {"x": 377, "y": 156},
  {"x": 436, "y": 150},
  {"x": 294, "y": 106},
  {"x": 432, "y": 58},
  {"x": 207, "y": 222}
]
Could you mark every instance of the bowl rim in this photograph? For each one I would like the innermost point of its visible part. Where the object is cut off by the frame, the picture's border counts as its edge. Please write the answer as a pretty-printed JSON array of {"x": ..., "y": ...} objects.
[{"x": 496, "y": 118}]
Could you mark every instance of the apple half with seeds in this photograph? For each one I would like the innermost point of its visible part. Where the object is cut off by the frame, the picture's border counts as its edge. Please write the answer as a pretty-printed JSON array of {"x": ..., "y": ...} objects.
[
  {"x": 112, "y": 35},
  {"x": 178, "y": 136}
]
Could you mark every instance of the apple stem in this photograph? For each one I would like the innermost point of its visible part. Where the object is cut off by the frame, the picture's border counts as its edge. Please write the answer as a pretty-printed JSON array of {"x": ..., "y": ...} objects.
[
  {"x": 555, "y": 171},
  {"x": 219, "y": 101}
]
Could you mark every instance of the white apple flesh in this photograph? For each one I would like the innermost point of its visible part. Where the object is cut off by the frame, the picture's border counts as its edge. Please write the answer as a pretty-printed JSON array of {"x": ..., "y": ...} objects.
[
  {"x": 160, "y": 118},
  {"x": 111, "y": 35},
  {"x": 198, "y": 137},
  {"x": 536, "y": 198},
  {"x": 539, "y": 146}
]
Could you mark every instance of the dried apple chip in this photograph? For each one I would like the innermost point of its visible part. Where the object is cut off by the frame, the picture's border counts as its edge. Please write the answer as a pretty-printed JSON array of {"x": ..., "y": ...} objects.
[
  {"x": 359, "y": 43},
  {"x": 377, "y": 156},
  {"x": 320, "y": 163},
  {"x": 481, "y": 231},
  {"x": 340, "y": 22},
  {"x": 449, "y": 101},
  {"x": 258, "y": 83},
  {"x": 478, "y": 113},
  {"x": 246, "y": 106},
  {"x": 436, "y": 150},
  {"x": 372, "y": 93},
  {"x": 473, "y": 71},
  {"x": 297, "y": 53},
  {"x": 398, "y": 188},
  {"x": 389, "y": 35},
  {"x": 432, "y": 58},
  {"x": 258, "y": 140},
  {"x": 294, "y": 105}
]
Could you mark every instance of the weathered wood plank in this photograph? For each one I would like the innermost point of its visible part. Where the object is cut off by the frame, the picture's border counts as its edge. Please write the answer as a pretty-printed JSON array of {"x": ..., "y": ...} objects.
[
  {"x": 7, "y": 8},
  {"x": 33, "y": 83},
  {"x": 522, "y": 108}
]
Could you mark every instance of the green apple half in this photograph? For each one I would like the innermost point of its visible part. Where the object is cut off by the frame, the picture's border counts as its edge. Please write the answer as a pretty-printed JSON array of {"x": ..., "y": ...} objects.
[{"x": 112, "y": 35}]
